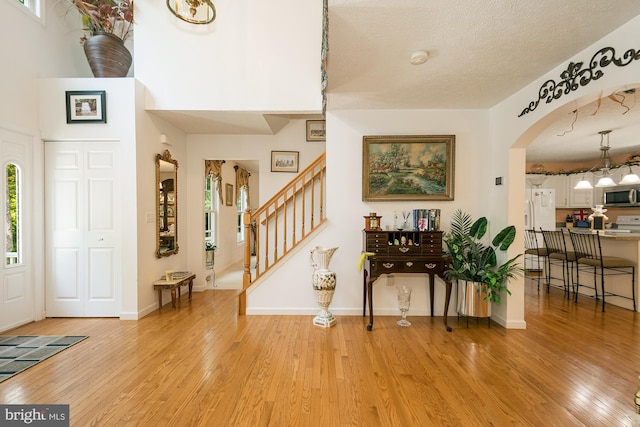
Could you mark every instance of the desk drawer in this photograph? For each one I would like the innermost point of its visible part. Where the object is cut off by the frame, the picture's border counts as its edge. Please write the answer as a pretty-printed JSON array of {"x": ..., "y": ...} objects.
[
  {"x": 397, "y": 265},
  {"x": 404, "y": 250}
]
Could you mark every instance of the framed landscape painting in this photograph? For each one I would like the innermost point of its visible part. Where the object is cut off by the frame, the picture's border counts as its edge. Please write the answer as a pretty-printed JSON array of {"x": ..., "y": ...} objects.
[{"x": 411, "y": 167}]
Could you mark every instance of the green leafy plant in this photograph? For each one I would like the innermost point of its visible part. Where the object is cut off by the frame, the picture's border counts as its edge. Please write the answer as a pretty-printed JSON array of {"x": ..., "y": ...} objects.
[
  {"x": 209, "y": 246},
  {"x": 105, "y": 16},
  {"x": 473, "y": 259}
]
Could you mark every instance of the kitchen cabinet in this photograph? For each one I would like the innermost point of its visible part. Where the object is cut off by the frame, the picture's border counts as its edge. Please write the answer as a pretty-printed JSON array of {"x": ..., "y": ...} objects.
[
  {"x": 558, "y": 183},
  {"x": 566, "y": 195},
  {"x": 580, "y": 198}
]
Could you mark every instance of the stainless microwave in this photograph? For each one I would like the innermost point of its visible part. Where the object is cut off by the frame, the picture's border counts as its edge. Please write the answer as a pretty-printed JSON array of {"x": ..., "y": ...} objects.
[{"x": 622, "y": 196}]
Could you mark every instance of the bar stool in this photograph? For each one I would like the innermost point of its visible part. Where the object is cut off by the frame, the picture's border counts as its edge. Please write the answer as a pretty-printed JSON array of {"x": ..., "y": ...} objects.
[
  {"x": 534, "y": 249},
  {"x": 557, "y": 248},
  {"x": 589, "y": 255}
]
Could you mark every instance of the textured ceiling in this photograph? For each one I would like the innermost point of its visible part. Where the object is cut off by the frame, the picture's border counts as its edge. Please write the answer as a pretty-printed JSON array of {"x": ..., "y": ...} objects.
[{"x": 480, "y": 52}]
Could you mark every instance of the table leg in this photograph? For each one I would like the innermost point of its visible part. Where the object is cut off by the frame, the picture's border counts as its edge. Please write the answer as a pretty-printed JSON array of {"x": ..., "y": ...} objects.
[
  {"x": 160, "y": 298},
  {"x": 364, "y": 292},
  {"x": 180, "y": 289},
  {"x": 431, "y": 291},
  {"x": 446, "y": 304},
  {"x": 173, "y": 297},
  {"x": 370, "y": 292},
  {"x": 190, "y": 287}
]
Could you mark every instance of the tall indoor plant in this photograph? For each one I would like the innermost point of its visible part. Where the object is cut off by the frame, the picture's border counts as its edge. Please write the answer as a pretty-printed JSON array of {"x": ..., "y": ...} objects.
[
  {"x": 107, "y": 25},
  {"x": 474, "y": 260}
]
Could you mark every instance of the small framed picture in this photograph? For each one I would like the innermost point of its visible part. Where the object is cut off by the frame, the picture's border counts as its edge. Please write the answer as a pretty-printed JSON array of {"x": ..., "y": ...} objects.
[
  {"x": 284, "y": 161},
  {"x": 170, "y": 212},
  {"x": 229, "y": 194},
  {"x": 86, "y": 106},
  {"x": 316, "y": 130},
  {"x": 171, "y": 197}
]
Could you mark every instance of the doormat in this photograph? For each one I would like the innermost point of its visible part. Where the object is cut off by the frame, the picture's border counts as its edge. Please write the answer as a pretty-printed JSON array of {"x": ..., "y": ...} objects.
[{"x": 20, "y": 352}]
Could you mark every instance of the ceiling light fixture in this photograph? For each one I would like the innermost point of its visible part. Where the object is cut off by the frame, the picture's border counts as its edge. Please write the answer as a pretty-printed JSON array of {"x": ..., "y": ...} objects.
[
  {"x": 604, "y": 169},
  {"x": 193, "y": 11},
  {"x": 419, "y": 57}
]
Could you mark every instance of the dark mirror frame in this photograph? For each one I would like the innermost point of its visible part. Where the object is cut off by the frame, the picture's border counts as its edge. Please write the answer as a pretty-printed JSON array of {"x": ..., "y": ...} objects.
[{"x": 166, "y": 205}]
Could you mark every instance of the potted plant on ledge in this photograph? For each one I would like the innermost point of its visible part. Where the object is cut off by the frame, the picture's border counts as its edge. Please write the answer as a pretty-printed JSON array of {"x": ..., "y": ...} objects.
[
  {"x": 474, "y": 263},
  {"x": 108, "y": 24},
  {"x": 209, "y": 249}
]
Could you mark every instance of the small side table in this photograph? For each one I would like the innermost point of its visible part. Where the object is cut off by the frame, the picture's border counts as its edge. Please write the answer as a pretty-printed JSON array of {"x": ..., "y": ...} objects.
[{"x": 180, "y": 278}]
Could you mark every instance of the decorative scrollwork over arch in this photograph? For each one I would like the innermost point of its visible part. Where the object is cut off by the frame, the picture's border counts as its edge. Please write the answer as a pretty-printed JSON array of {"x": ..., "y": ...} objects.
[{"x": 576, "y": 76}]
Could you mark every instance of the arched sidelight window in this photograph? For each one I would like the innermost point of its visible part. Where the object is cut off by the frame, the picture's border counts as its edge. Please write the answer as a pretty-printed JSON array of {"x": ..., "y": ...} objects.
[{"x": 13, "y": 214}]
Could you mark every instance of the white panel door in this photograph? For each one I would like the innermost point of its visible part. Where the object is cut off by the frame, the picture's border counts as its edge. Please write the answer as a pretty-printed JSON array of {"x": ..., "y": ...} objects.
[
  {"x": 17, "y": 305},
  {"x": 83, "y": 229}
]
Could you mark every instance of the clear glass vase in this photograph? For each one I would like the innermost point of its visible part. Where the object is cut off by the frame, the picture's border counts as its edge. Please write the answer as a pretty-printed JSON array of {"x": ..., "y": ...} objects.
[{"x": 404, "y": 301}]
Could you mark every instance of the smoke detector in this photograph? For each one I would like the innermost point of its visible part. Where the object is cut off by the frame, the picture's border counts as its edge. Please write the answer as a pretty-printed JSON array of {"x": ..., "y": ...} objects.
[{"x": 419, "y": 57}]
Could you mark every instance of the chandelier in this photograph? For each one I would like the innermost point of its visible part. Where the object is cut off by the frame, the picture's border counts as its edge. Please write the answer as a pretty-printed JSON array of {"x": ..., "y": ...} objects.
[
  {"x": 603, "y": 170},
  {"x": 193, "y": 11}
]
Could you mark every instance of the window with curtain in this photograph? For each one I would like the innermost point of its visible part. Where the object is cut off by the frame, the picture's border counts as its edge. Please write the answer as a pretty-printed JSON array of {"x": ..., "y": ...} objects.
[
  {"x": 212, "y": 200},
  {"x": 211, "y": 206},
  {"x": 242, "y": 201},
  {"x": 242, "y": 204}
]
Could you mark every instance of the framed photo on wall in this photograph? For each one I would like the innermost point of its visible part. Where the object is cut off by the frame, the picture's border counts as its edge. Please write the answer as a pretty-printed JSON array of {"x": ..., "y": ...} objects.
[
  {"x": 86, "y": 106},
  {"x": 316, "y": 130},
  {"x": 229, "y": 194},
  {"x": 413, "y": 167},
  {"x": 284, "y": 161}
]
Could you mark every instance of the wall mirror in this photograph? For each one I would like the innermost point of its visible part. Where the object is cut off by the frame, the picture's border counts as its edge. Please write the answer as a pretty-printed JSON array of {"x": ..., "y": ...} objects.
[{"x": 166, "y": 205}]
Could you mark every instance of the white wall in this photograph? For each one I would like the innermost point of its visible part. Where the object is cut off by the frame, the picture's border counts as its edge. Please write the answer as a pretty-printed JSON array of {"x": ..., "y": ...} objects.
[
  {"x": 237, "y": 148},
  {"x": 477, "y": 165},
  {"x": 32, "y": 49},
  {"x": 288, "y": 289},
  {"x": 120, "y": 126},
  {"x": 149, "y": 131},
  {"x": 254, "y": 57}
]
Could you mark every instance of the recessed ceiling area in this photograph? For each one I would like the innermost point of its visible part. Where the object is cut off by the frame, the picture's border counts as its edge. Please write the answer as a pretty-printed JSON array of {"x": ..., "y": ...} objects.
[{"x": 575, "y": 137}]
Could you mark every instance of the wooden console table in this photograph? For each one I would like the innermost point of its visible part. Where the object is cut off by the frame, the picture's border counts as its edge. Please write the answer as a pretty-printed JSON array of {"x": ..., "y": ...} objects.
[
  {"x": 404, "y": 252},
  {"x": 180, "y": 278}
]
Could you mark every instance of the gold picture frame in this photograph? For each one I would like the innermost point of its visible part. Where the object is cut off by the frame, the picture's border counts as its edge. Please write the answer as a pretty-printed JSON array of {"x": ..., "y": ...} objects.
[
  {"x": 408, "y": 167},
  {"x": 229, "y": 194}
]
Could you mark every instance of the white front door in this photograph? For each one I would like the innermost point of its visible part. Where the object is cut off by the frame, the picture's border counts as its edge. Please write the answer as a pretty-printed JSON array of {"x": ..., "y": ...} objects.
[
  {"x": 17, "y": 305},
  {"x": 82, "y": 221}
]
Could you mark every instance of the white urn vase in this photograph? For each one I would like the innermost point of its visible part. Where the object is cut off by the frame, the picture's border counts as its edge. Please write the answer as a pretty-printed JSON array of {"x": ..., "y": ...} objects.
[{"x": 324, "y": 284}]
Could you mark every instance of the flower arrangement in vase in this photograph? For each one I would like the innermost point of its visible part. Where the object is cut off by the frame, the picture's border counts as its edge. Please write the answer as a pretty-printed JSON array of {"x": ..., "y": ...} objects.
[{"x": 107, "y": 24}]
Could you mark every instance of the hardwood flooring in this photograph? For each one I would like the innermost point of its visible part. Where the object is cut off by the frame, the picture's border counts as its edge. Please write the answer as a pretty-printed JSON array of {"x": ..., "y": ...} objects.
[{"x": 202, "y": 365}]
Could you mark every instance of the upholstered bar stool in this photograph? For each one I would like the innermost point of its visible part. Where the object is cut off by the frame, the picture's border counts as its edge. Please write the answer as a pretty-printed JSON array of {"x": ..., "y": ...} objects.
[
  {"x": 588, "y": 251},
  {"x": 557, "y": 248},
  {"x": 534, "y": 249}
]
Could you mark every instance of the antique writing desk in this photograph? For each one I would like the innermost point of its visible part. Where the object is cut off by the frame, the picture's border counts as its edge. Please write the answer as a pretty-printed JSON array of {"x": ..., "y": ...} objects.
[{"x": 404, "y": 252}]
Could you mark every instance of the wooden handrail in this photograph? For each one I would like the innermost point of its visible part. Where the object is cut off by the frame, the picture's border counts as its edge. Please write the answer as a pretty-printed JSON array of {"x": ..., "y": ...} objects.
[{"x": 283, "y": 222}]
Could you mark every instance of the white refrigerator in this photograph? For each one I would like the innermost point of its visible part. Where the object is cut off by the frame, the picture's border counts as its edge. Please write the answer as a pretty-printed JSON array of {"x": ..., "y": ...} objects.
[
  {"x": 540, "y": 209},
  {"x": 539, "y": 212}
]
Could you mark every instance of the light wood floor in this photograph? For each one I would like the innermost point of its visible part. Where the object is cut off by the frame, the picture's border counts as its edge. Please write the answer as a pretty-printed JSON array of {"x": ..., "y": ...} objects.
[{"x": 203, "y": 365}]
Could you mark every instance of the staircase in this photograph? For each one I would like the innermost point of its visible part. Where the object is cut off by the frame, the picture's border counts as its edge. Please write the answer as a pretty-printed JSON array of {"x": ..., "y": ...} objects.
[{"x": 282, "y": 223}]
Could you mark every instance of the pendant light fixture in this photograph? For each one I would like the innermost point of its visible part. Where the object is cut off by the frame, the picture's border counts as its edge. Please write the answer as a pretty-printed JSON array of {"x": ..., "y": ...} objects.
[
  {"x": 604, "y": 169},
  {"x": 193, "y": 11}
]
